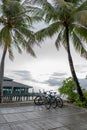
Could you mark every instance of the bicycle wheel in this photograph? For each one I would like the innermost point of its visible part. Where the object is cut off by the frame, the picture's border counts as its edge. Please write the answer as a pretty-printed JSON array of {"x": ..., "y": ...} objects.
[
  {"x": 40, "y": 100},
  {"x": 47, "y": 103},
  {"x": 59, "y": 102},
  {"x": 54, "y": 103},
  {"x": 37, "y": 100}
]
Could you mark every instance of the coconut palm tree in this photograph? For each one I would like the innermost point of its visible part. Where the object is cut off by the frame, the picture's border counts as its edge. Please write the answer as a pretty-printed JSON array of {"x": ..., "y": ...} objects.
[
  {"x": 64, "y": 20},
  {"x": 73, "y": 1},
  {"x": 16, "y": 21}
]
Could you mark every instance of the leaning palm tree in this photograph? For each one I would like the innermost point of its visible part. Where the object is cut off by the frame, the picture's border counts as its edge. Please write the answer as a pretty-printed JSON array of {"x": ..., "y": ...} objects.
[
  {"x": 64, "y": 20},
  {"x": 16, "y": 21}
]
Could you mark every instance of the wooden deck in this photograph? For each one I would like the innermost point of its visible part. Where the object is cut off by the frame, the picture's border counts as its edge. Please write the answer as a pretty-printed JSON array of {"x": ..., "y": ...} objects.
[{"x": 38, "y": 118}]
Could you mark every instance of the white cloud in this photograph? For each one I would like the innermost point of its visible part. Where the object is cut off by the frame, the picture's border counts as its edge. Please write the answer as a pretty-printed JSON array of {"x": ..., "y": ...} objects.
[{"x": 48, "y": 65}]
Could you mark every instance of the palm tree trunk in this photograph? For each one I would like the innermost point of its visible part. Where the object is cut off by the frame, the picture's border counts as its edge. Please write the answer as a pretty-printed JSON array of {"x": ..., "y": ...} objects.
[
  {"x": 2, "y": 73},
  {"x": 79, "y": 91}
]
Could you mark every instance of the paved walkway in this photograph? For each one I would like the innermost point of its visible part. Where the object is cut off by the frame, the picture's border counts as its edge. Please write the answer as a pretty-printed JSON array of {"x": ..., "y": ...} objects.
[{"x": 38, "y": 118}]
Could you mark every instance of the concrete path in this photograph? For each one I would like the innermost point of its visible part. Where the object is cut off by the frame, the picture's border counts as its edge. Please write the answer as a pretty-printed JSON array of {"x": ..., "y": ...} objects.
[{"x": 38, "y": 118}]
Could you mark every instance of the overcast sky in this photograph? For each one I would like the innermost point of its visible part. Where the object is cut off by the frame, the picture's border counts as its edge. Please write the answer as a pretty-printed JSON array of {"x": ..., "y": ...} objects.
[{"x": 48, "y": 70}]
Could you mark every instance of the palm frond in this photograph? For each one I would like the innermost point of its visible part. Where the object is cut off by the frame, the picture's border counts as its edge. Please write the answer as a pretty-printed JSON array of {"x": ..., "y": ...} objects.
[
  {"x": 11, "y": 56},
  {"x": 38, "y": 2},
  {"x": 26, "y": 2},
  {"x": 73, "y": 1},
  {"x": 82, "y": 6},
  {"x": 16, "y": 44},
  {"x": 23, "y": 42},
  {"x": 11, "y": 8},
  {"x": 41, "y": 12},
  {"x": 63, "y": 10},
  {"x": 64, "y": 39},
  {"x": 20, "y": 37},
  {"x": 27, "y": 19},
  {"x": 79, "y": 17},
  {"x": 51, "y": 13},
  {"x": 25, "y": 31},
  {"x": 82, "y": 32},
  {"x": 36, "y": 19},
  {"x": 59, "y": 39},
  {"x": 78, "y": 10},
  {"x": 48, "y": 31},
  {"x": 79, "y": 45},
  {"x": 36, "y": 11},
  {"x": 30, "y": 50},
  {"x": 5, "y": 35}
]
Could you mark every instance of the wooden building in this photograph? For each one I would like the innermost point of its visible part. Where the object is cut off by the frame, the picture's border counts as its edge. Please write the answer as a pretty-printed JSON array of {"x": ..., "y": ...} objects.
[{"x": 14, "y": 91}]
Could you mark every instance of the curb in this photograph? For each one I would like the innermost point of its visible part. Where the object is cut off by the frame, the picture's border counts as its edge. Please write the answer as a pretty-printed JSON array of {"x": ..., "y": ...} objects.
[{"x": 17, "y": 104}]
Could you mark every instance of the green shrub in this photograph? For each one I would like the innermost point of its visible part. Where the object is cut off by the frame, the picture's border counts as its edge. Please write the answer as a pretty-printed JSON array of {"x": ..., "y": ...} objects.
[
  {"x": 69, "y": 89},
  {"x": 85, "y": 93},
  {"x": 84, "y": 103},
  {"x": 81, "y": 104}
]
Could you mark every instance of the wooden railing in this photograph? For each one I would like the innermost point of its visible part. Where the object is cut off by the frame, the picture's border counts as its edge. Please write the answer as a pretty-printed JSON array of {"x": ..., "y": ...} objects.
[{"x": 19, "y": 97}]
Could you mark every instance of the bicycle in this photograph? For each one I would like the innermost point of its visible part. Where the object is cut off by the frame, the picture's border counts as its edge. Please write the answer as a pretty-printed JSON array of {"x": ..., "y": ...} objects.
[
  {"x": 49, "y": 101},
  {"x": 59, "y": 100},
  {"x": 39, "y": 99},
  {"x": 46, "y": 99}
]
